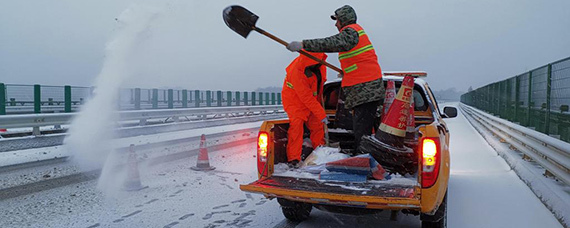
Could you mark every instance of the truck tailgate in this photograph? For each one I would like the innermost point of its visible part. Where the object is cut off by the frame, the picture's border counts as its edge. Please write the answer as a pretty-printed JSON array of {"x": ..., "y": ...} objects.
[{"x": 365, "y": 195}]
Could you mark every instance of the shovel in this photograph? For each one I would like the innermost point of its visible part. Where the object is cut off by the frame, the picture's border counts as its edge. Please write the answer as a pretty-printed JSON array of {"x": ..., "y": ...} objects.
[{"x": 242, "y": 21}]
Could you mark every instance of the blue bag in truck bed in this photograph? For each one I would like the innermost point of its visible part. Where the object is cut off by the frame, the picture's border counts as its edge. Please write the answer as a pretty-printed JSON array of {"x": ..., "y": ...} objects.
[
  {"x": 353, "y": 165},
  {"x": 345, "y": 177},
  {"x": 361, "y": 165}
]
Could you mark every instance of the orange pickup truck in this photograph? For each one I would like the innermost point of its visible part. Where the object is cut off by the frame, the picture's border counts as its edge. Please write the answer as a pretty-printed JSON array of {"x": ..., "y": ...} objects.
[{"x": 423, "y": 193}]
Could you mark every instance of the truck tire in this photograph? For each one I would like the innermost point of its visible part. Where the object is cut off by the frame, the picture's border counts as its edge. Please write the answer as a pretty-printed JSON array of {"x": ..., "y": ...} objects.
[
  {"x": 439, "y": 219},
  {"x": 295, "y": 211}
]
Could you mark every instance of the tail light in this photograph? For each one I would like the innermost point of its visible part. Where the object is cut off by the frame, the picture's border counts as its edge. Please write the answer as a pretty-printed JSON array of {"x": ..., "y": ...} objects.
[
  {"x": 262, "y": 142},
  {"x": 431, "y": 159}
]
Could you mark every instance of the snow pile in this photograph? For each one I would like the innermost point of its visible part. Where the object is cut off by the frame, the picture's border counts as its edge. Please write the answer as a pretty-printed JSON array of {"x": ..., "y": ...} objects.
[
  {"x": 322, "y": 155},
  {"x": 91, "y": 132}
]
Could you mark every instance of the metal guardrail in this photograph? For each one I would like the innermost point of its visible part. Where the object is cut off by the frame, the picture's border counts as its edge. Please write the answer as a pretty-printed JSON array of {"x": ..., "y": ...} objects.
[
  {"x": 539, "y": 98},
  {"x": 28, "y": 99},
  {"x": 552, "y": 154},
  {"x": 39, "y": 120}
]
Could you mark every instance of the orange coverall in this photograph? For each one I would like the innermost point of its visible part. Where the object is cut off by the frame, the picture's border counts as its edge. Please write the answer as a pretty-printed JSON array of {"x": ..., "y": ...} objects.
[{"x": 302, "y": 95}]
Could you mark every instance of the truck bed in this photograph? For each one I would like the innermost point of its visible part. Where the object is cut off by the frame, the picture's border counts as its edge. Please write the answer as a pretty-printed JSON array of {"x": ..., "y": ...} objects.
[
  {"x": 347, "y": 188},
  {"x": 370, "y": 194}
]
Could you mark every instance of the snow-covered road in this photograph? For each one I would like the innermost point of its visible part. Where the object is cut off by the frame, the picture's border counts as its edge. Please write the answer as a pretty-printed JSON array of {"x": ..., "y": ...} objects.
[{"x": 483, "y": 192}]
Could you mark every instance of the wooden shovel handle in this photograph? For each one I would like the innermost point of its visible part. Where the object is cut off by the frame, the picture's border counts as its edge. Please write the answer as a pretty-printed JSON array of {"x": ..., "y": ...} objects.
[{"x": 271, "y": 36}]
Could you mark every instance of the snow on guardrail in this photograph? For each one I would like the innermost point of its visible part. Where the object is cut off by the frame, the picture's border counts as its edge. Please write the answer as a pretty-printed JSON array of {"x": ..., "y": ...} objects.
[
  {"x": 552, "y": 154},
  {"x": 40, "y": 120}
]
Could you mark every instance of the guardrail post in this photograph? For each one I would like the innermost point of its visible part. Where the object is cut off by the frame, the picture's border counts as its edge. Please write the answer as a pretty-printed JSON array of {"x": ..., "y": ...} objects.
[
  {"x": 507, "y": 99},
  {"x": 137, "y": 98},
  {"x": 67, "y": 98},
  {"x": 273, "y": 98},
  {"x": 154, "y": 98},
  {"x": 219, "y": 101},
  {"x": 208, "y": 98},
  {"x": 229, "y": 98},
  {"x": 237, "y": 98},
  {"x": 267, "y": 98},
  {"x": 517, "y": 98},
  {"x": 529, "y": 98},
  {"x": 245, "y": 101},
  {"x": 260, "y": 98},
  {"x": 498, "y": 100},
  {"x": 184, "y": 98},
  {"x": 278, "y": 98},
  {"x": 548, "y": 92},
  {"x": 2, "y": 99},
  {"x": 170, "y": 98},
  {"x": 37, "y": 99},
  {"x": 197, "y": 98},
  {"x": 252, "y": 98}
]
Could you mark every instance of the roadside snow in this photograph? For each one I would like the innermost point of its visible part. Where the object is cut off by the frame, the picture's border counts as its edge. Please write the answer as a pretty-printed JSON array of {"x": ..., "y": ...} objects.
[
  {"x": 176, "y": 196},
  {"x": 554, "y": 194},
  {"x": 483, "y": 189}
]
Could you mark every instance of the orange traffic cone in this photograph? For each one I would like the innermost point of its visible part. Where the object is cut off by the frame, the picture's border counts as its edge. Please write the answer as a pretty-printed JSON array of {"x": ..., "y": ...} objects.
[
  {"x": 203, "y": 163},
  {"x": 389, "y": 97},
  {"x": 411, "y": 133},
  {"x": 387, "y": 145},
  {"x": 392, "y": 130},
  {"x": 133, "y": 181}
]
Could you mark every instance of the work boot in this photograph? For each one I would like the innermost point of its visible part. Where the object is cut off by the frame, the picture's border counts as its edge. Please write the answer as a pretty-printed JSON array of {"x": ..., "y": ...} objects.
[
  {"x": 306, "y": 152},
  {"x": 295, "y": 164}
]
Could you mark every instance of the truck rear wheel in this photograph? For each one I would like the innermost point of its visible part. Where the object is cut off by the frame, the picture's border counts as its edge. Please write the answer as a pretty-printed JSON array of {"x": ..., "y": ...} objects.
[
  {"x": 295, "y": 211},
  {"x": 439, "y": 219}
]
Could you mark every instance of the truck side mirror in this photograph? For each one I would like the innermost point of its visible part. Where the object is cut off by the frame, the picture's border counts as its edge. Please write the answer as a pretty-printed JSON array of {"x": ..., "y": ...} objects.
[{"x": 450, "y": 112}]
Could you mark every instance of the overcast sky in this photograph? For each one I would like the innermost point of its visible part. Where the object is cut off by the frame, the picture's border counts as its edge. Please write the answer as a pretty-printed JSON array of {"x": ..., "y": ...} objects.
[{"x": 460, "y": 43}]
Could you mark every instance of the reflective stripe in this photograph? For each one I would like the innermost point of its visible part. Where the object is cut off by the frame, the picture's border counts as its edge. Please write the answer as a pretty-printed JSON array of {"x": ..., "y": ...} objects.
[
  {"x": 361, "y": 33},
  {"x": 356, "y": 52},
  {"x": 350, "y": 69},
  {"x": 289, "y": 85}
]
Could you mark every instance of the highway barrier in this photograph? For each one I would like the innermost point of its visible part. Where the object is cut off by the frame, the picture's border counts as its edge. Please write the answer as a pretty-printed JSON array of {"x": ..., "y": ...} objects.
[
  {"x": 552, "y": 154},
  {"x": 36, "y": 121},
  {"x": 538, "y": 99},
  {"x": 27, "y": 99}
]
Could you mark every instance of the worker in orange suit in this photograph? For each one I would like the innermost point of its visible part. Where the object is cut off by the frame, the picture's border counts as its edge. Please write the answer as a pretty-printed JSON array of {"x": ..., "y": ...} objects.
[{"x": 302, "y": 96}]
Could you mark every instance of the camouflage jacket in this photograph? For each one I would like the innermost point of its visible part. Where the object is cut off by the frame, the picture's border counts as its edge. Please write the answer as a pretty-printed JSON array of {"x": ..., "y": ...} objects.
[
  {"x": 363, "y": 93},
  {"x": 344, "y": 41}
]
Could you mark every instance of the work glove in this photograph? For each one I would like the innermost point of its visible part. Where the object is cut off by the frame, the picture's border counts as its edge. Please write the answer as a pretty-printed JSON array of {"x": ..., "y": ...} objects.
[
  {"x": 295, "y": 46},
  {"x": 325, "y": 120}
]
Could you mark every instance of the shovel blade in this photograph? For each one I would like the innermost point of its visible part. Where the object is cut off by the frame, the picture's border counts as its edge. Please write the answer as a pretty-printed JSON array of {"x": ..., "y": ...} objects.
[{"x": 239, "y": 19}]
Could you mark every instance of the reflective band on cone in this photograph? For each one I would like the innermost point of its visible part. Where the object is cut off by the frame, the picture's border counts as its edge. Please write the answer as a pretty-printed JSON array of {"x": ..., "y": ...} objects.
[
  {"x": 389, "y": 97},
  {"x": 203, "y": 162},
  {"x": 411, "y": 133},
  {"x": 133, "y": 181}
]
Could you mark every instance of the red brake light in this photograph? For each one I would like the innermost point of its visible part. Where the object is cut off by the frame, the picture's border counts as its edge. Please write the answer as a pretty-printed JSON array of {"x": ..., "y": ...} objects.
[
  {"x": 262, "y": 143},
  {"x": 262, "y": 146},
  {"x": 431, "y": 159},
  {"x": 429, "y": 150}
]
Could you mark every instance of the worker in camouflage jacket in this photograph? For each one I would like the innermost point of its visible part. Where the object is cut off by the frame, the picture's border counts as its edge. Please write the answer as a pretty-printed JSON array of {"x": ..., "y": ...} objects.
[{"x": 362, "y": 76}]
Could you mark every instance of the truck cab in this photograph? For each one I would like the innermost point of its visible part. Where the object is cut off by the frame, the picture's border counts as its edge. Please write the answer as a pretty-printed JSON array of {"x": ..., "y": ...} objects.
[{"x": 422, "y": 193}]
